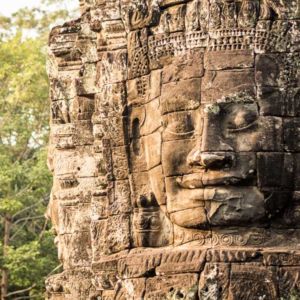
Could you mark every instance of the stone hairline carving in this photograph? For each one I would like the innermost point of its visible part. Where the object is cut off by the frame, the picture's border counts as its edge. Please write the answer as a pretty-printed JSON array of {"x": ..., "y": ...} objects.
[{"x": 175, "y": 149}]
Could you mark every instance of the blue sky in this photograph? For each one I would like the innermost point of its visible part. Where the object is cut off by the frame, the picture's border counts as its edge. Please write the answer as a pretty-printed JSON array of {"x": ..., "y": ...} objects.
[{"x": 10, "y": 6}]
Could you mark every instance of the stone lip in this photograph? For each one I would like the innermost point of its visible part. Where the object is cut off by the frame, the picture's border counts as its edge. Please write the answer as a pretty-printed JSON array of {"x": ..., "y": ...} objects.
[{"x": 195, "y": 181}]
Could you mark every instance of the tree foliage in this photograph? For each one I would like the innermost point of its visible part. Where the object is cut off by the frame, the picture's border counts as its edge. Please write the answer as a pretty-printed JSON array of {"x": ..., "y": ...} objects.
[{"x": 27, "y": 249}]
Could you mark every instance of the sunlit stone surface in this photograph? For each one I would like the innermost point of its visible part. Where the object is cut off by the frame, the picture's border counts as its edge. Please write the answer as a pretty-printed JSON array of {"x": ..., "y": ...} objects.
[{"x": 175, "y": 150}]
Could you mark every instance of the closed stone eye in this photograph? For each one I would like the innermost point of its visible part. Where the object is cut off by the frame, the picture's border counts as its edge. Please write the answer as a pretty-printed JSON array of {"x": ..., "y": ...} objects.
[
  {"x": 241, "y": 122},
  {"x": 179, "y": 129},
  {"x": 241, "y": 119},
  {"x": 182, "y": 126}
]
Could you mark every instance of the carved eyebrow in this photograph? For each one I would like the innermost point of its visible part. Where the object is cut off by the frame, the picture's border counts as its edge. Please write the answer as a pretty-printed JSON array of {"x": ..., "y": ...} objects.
[
  {"x": 237, "y": 101},
  {"x": 177, "y": 133},
  {"x": 239, "y": 98},
  {"x": 242, "y": 128}
]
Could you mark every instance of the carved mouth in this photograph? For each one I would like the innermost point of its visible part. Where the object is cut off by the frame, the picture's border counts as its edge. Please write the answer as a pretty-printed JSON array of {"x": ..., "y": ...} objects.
[{"x": 201, "y": 180}]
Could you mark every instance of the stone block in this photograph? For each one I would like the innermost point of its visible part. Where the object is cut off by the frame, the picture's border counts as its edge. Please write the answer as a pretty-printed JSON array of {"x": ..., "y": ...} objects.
[
  {"x": 190, "y": 218},
  {"x": 265, "y": 134},
  {"x": 86, "y": 85},
  {"x": 241, "y": 205},
  {"x": 157, "y": 183},
  {"x": 288, "y": 281},
  {"x": 214, "y": 281},
  {"x": 275, "y": 170},
  {"x": 155, "y": 84},
  {"x": 81, "y": 108},
  {"x": 219, "y": 84},
  {"x": 70, "y": 284},
  {"x": 74, "y": 218},
  {"x": 270, "y": 70},
  {"x": 111, "y": 100},
  {"x": 162, "y": 287},
  {"x": 138, "y": 90},
  {"x": 152, "y": 146},
  {"x": 224, "y": 60},
  {"x": 138, "y": 161},
  {"x": 181, "y": 199},
  {"x": 112, "y": 67},
  {"x": 119, "y": 197},
  {"x": 297, "y": 171},
  {"x": 74, "y": 250},
  {"x": 181, "y": 261},
  {"x": 291, "y": 131},
  {"x": 184, "y": 67},
  {"x": 112, "y": 128},
  {"x": 139, "y": 264},
  {"x": 131, "y": 289},
  {"x": 152, "y": 119},
  {"x": 85, "y": 138},
  {"x": 105, "y": 281},
  {"x": 175, "y": 162},
  {"x": 62, "y": 89},
  {"x": 176, "y": 96},
  {"x": 182, "y": 125},
  {"x": 262, "y": 281},
  {"x": 120, "y": 162},
  {"x": 118, "y": 233},
  {"x": 99, "y": 207},
  {"x": 272, "y": 101},
  {"x": 139, "y": 183},
  {"x": 98, "y": 242}
]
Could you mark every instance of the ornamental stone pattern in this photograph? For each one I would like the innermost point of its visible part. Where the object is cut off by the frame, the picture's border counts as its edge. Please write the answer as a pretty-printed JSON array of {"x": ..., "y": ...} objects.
[{"x": 175, "y": 150}]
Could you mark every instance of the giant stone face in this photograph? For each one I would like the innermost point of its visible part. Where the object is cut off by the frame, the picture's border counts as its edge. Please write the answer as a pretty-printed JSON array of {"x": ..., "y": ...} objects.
[
  {"x": 175, "y": 148},
  {"x": 222, "y": 156},
  {"x": 214, "y": 125}
]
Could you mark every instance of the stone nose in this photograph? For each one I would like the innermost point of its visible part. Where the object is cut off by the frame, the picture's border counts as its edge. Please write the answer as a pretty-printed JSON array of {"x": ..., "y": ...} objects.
[
  {"x": 210, "y": 160},
  {"x": 212, "y": 138}
]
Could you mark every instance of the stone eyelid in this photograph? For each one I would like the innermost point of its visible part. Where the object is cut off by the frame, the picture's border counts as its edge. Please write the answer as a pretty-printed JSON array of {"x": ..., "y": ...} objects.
[
  {"x": 242, "y": 128},
  {"x": 180, "y": 134}
]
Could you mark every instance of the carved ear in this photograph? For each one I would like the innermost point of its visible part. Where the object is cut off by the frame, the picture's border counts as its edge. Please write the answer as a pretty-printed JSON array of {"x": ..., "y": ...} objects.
[
  {"x": 136, "y": 134},
  {"x": 136, "y": 121}
]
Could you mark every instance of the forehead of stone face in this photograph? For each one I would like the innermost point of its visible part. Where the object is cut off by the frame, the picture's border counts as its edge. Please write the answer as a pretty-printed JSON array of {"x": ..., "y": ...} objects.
[
  {"x": 181, "y": 82},
  {"x": 180, "y": 95},
  {"x": 218, "y": 84},
  {"x": 227, "y": 73}
]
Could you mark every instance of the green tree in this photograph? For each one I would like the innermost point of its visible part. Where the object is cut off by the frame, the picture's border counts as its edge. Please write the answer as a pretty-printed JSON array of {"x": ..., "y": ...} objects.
[{"x": 27, "y": 252}]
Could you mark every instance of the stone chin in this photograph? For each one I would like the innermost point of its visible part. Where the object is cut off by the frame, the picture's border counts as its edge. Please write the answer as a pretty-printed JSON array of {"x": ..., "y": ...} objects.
[
  {"x": 223, "y": 205},
  {"x": 218, "y": 206}
]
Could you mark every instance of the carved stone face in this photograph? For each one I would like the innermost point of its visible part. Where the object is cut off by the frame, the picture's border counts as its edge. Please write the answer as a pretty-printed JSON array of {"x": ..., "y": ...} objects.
[
  {"x": 221, "y": 146},
  {"x": 213, "y": 113},
  {"x": 215, "y": 168},
  {"x": 175, "y": 125}
]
